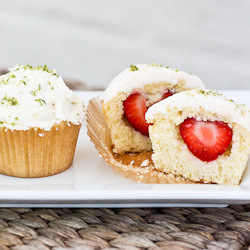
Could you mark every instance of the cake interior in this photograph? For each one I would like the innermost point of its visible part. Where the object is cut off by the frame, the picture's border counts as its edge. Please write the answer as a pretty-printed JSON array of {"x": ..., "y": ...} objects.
[
  {"x": 137, "y": 166},
  {"x": 124, "y": 137},
  {"x": 171, "y": 154}
]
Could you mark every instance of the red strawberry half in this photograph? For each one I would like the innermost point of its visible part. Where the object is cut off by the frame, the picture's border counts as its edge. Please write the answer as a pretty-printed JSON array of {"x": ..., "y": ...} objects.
[
  {"x": 206, "y": 140},
  {"x": 166, "y": 94},
  {"x": 135, "y": 109}
]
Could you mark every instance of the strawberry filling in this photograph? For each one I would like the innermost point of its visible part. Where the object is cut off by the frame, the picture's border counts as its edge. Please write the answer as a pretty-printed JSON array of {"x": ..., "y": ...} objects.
[
  {"x": 205, "y": 139},
  {"x": 135, "y": 109}
]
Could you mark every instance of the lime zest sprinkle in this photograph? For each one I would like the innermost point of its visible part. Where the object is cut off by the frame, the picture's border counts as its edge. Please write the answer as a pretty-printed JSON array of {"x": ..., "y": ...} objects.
[
  {"x": 154, "y": 64},
  {"x": 39, "y": 67},
  {"x": 34, "y": 92},
  {"x": 9, "y": 101},
  {"x": 41, "y": 101},
  {"x": 133, "y": 67}
]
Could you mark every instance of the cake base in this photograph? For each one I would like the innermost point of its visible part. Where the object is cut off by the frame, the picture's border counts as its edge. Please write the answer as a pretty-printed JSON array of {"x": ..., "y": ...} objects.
[
  {"x": 37, "y": 153},
  {"x": 137, "y": 166}
]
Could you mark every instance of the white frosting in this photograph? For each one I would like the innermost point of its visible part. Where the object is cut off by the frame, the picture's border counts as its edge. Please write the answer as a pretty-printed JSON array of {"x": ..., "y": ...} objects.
[
  {"x": 36, "y": 98},
  {"x": 208, "y": 100},
  {"x": 145, "y": 163},
  {"x": 128, "y": 80}
]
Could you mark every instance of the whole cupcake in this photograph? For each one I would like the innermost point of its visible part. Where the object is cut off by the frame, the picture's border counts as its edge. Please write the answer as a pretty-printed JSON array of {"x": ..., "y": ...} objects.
[{"x": 40, "y": 118}]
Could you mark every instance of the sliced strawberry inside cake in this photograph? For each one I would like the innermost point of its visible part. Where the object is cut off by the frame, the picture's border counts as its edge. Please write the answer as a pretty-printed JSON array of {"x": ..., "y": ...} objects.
[
  {"x": 206, "y": 140},
  {"x": 131, "y": 93},
  {"x": 135, "y": 108}
]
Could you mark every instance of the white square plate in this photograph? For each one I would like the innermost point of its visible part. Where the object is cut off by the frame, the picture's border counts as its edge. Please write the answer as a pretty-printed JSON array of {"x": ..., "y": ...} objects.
[{"x": 91, "y": 183}]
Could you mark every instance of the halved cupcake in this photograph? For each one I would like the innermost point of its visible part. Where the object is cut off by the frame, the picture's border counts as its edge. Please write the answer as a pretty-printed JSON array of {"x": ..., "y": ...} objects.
[
  {"x": 201, "y": 136},
  {"x": 40, "y": 118},
  {"x": 131, "y": 93}
]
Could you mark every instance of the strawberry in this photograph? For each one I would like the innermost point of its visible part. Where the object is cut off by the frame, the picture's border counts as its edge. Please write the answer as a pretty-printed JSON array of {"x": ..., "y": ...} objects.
[
  {"x": 166, "y": 94},
  {"x": 135, "y": 109},
  {"x": 205, "y": 139}
]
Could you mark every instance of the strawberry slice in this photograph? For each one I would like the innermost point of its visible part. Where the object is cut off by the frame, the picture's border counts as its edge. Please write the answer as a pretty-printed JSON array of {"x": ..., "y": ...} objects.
[
  {"x": 205, "y": 139},
  {"x": 135, "y": 109},
  {"x": 166, "y": 94}
]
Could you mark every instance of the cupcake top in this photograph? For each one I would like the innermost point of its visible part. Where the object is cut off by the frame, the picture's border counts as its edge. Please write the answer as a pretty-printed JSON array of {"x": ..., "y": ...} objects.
[
  {"x": 138, "y": 75},
  {"x": 36, "y": 98},
  {"x": 206, "y": 99}
]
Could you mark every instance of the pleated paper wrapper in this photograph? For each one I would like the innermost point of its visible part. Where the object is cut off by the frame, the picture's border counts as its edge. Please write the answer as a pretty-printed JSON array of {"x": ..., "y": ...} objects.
[
  {"x": 130, "y": 164},
  {"x": 37, "y": 153}
]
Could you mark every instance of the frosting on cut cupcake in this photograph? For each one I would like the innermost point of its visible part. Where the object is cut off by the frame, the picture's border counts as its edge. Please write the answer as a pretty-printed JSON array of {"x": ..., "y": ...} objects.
[
  {"x": 36, "y": 98},
  {"x": 138, "y": 75},
  {"x": 209, "y": 100}
]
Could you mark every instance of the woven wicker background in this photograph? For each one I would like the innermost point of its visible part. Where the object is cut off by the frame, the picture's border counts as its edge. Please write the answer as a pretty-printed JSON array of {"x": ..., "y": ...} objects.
[{"x": 133, "y": 228}]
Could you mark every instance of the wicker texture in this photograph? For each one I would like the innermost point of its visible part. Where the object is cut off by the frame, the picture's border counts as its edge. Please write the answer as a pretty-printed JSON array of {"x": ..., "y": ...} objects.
[{"x": 127, "y": 228}]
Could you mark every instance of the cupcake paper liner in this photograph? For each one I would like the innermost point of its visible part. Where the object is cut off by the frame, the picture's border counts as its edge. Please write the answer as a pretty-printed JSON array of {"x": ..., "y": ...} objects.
[
  {"x": 137, "y": 166},
  {"x": 36, "y": 152}
]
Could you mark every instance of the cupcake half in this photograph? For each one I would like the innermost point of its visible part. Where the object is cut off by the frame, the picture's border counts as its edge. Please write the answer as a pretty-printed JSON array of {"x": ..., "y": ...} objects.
[
  {"x": 131, "y": 93},
  {"x": 201, "y": 136},
  {"x": 40, "y": 118}
]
